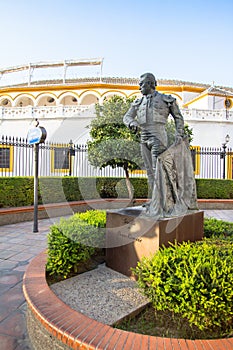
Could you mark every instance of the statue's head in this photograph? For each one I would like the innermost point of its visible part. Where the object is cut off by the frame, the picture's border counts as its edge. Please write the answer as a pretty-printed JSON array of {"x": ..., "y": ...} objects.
[{"x": 147, "y": 83}]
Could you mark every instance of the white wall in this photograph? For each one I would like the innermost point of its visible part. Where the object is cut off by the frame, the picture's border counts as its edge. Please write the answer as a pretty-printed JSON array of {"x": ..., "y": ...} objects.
[{"x": 208, "y": 134}]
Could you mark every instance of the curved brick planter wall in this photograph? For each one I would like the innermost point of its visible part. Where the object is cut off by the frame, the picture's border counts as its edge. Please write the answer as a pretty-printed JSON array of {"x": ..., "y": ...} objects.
[{"x": 54, "y": 325}]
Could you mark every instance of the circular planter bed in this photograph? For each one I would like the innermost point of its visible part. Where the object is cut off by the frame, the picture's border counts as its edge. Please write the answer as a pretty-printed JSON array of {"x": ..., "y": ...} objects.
[{"x": 53, "y": 324}]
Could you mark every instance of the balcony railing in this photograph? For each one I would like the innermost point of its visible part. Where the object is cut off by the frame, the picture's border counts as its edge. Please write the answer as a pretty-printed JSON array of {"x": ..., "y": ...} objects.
[{"x": 29, "y": 112}]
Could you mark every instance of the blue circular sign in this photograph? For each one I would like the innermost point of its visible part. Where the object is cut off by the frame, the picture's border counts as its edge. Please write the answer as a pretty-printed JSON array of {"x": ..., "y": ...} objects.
[{"x": 36, "y": 135}]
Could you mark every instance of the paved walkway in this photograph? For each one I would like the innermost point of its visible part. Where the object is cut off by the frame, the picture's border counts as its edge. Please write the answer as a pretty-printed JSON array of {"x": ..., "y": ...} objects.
[{"x": 18, "y": 245}]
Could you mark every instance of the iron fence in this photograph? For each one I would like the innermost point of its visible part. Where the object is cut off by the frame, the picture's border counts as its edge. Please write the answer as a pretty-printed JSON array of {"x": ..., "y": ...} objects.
[
  {"x": 55, "y": 159},
  {"x": 212, "y": 162},
  {"x": 59, "y": 159}
]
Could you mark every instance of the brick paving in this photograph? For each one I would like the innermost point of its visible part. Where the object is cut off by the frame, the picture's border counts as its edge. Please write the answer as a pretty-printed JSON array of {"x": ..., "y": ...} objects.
[{"x": 18, "y": 246}]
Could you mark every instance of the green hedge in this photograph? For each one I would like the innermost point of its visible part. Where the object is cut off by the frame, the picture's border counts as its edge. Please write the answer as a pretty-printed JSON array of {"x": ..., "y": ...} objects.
[
  {"x": 18, "y": 191},
  {"x": 214, "y": 189}
]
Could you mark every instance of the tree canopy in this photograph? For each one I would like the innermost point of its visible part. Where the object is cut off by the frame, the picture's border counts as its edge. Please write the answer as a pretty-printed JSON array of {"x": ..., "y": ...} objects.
[{"x": 112, "y": 142}]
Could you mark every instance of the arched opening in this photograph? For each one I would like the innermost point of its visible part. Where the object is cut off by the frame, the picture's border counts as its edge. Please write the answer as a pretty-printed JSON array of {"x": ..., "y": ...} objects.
[
  {"x": 89, "y": 99},
  {"x": 24, "y": 101},
  {"x": 108, "y": 95},
  {"x": 5, "y": 102},
  {"x": 46, "y": 100},
  {"x": 69, "y": 100}
]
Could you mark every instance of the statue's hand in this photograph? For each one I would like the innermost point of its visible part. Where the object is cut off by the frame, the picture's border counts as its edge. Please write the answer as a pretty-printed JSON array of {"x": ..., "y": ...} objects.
[
  {"x": 178, "y": 139},
  {"x": 134, "y": 127}
]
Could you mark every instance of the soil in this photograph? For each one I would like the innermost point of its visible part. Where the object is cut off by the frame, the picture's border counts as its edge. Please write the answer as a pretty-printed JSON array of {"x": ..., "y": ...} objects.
[{"x": 167, "y": 324}]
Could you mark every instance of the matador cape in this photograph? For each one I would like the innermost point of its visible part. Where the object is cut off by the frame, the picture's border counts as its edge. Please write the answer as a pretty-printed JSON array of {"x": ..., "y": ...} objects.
[{"x": 174, "y": 191}]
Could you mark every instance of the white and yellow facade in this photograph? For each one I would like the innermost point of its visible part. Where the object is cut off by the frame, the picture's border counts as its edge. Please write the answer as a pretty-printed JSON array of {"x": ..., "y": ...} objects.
[{"x": 65, "y": 107}]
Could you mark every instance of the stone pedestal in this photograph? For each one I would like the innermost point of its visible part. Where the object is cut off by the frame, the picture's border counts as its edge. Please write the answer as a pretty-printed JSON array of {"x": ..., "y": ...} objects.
[{"x": 130, "y": 235}]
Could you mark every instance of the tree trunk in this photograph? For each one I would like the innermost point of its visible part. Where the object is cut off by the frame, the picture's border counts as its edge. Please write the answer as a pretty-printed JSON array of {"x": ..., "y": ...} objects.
[{"x": 128, "y": 184}]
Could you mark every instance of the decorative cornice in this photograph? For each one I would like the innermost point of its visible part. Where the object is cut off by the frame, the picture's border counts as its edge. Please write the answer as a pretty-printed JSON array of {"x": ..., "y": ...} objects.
[{"x": 108, "y": 82}]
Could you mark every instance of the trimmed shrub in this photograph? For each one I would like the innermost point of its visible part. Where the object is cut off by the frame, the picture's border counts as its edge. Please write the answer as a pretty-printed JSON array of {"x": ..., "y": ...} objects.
[
  {"x": 51, "y": 190},
  {"x": 218, "y": 228},
  {"x": 73, "y": 241},
  {"x": 193, "y": 280},
  {"x": 18, "y": 191},
  {"x": 214, "y": 188}
]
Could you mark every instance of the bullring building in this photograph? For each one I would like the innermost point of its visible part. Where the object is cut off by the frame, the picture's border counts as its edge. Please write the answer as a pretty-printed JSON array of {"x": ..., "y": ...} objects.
[{"x": 63, "y": 100}]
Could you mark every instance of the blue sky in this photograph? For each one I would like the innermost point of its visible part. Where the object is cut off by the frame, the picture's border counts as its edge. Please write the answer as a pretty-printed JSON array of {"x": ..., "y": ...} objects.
[{"x": 183, "y": 40}]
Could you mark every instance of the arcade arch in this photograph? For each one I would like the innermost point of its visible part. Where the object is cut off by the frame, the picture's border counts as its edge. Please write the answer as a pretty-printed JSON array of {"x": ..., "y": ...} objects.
[
  {"x": 110, "y": 94},
  {"x": 68, "y": 99},
  {"x": 89, "y": 97},
  {"x": 23, "y": 101},
  {"x": 46, "y": 100},
  {"x": 135, "y": 94},
  {"x": 6, "y": 101}
]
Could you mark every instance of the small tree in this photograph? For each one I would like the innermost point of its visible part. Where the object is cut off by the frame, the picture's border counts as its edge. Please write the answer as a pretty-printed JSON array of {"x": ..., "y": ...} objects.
[
  {"x": 112, "y": 142},
  {"x": 171, "y": 131}
]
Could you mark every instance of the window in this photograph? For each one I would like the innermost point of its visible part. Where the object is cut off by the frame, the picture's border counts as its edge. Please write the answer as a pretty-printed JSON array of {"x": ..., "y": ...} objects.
[
  {"x": 60, "y": 159},
  {"x": 6, "y": 158}
]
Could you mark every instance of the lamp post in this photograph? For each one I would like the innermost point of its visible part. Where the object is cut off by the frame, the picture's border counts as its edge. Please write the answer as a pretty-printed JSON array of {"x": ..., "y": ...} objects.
[
  {"x": 71, "y": 154},
  {"x": 36, "y": 136},
  {"x": 223, "y": 155}
]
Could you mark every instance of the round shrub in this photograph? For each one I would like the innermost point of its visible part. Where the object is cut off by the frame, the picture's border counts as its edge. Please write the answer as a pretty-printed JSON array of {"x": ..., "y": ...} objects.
[
  {"x": 73, "y": 241},
  {"x": 193, "y": 280}
]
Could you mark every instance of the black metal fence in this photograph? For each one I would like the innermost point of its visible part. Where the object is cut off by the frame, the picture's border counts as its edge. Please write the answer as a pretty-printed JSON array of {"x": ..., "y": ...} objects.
[
  {"x": 212, "y": 162},
  {"x": 59, "y": 159},
  {"x": 55, "y": 159}
]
